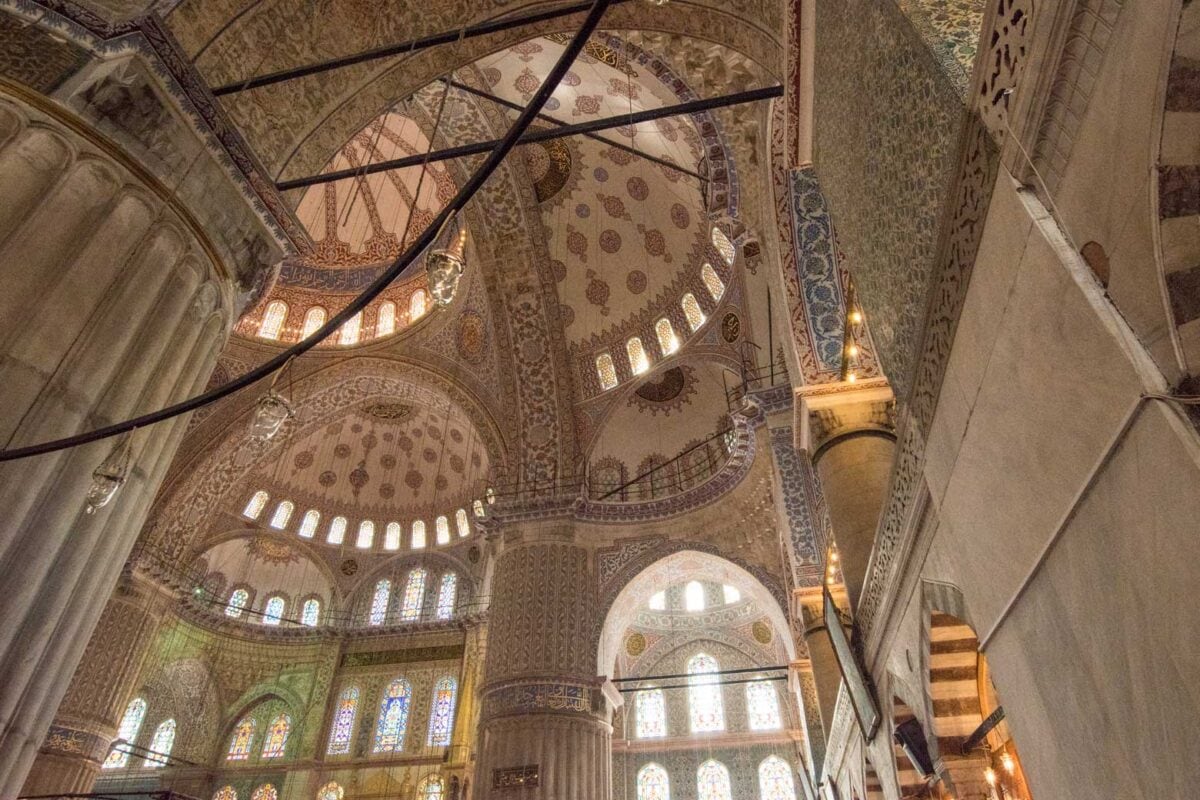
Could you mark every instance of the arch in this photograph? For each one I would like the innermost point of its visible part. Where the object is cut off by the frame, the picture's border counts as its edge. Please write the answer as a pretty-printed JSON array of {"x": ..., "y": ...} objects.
[
  {"x": 127, "y": 732},
  {"x": 712, "y": 781},
  {"x": 161, "y": 744},
  {"x": 775, "y": 780},
  {"x": 393, "y": 717},
  {"x": 413, "y": 602},
  {"x": 314, "y": 318},
  {"x": 447, "y": 595},
  {"x": 432, "y": 787},
  {"x": 441, "y": 711},
  {"x": 653, "y": 783},
  {"x": 341, "y": 725},
  {"x": 276, "y": 737},
  {"x": 273, "y": 320},
  {"x": 706, "y": 704},
  {"x": 385, "y": 320}
]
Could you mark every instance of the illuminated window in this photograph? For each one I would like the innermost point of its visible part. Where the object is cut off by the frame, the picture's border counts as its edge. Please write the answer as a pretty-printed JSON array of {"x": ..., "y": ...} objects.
[
  {"x": 490, "y": 495},
  {"x": 431, "y": 788},
  {"x": 712, "y": 281},
  {"x": 606, "y": 371},
  {"x": 342, "y": 729},
  {"x": 441, "y": 714},
  {"x": 693, "y": 596},
  {"x": 161, "y": 744},
  {"x": 416, "y": 305},
  {"x": 277, "y": 736},
  {"x": 477, "y": 507},
  {"x": 256, "y": 505},
  {"x": 638, "y": 362},
  {"x": 337, "y": 531},
  {"x": 366, "y": 534},
  {"x": 668, "y": 342},
  {"x": 350, "y": 330},
  {"x": 283, "y": 513},
  {"x": 310, "y": 615},
  {"x": 308, "y": 525},
  {"x": 273, "y": 319},
  {"x": 313, "y": 320},
  {"x": 414, "y": 595},
  {"x": 712, "y": 782},
  {"x": 241, "y": 741},
  {"x": 462, "y": 523},
  {"x": 651, "y": 714},
  {"x": 775, "y": 780},
  {"x": 391, "y": 536},
  {"x": 379, "y": 602},
  {"x": 385, "y": 325},
  {"x": 446, "y": 596},
  {"x": 273, "y": 611},
  {"x": 732, "y": 595},
  {"x": 658, "y": 601},
  {"x": 691, "y": 310},
  {"x": 131, "y": 724},
  {"x": 265, "y": 792},
  {"x": 724, "y": 246},
  {"x": 418, "y": 542},
  {"x": 393, "y": 717},
  {"x": 237, "y": 602},
  {"x": 762, "y": 706},
  {"x": 704, "y": 695},
  {"x": 330, "y": 791},
  {"x": 652, "y": 783},
  {"x": 442, "y": 526},
  {"x": 225, "y": 793}
]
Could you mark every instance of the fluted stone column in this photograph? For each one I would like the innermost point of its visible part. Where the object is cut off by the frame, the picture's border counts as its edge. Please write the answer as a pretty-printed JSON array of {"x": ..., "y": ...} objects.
[
  {"x": 826, "y": 675},
  {"x": 543, "y": 709}
]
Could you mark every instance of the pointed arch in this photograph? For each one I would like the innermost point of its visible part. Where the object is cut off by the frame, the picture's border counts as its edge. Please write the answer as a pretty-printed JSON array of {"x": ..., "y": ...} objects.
[
  {"x": 393, "y": 717},
  {"x": 127, "y": 731}
]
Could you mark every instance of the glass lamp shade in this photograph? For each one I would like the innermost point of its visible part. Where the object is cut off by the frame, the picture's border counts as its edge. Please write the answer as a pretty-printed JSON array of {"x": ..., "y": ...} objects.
[
  {"x": 108, "y": 477},
  {"x": 270, "y": 413},
  {"x": 444, "y": 268}
]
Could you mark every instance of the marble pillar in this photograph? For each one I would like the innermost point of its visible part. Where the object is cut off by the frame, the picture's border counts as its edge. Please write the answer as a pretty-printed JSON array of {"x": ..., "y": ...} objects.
[{"x": 826, "y": 675}]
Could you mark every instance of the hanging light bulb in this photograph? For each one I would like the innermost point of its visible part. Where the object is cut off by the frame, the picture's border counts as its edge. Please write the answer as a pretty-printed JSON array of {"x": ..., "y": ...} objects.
[
  {"x": 851, "y": 378},
  {"x": 444, "y": 268},
  {"x": 1007, "y": 762},
  {"x": 270, "y": 412},
  {"x": 856, "y": 316},
  {"x": 989, "y": 775},
  {"x": 108, "y": 477},
  {"x": 852, "y": 350}
]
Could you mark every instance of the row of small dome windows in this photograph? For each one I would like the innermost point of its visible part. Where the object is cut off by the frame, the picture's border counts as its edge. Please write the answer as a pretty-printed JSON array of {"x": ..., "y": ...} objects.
[
  {"x": 273, "y": 319},
  {"x": 273, "y": 611},
  {"x": 668, "y": 341},
  {"x": 336, "y": 533},
  {"x": 694, "y": 598}
]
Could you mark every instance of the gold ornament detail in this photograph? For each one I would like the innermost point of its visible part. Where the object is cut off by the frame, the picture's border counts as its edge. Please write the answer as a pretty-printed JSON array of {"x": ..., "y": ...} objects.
[
  {"x": 761, "y": 632},
  {"x": 635, "y": 644}
]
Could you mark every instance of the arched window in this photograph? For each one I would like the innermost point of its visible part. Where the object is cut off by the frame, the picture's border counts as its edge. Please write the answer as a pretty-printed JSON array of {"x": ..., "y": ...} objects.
[
  {"x": 441, "y": 713},
  {"x": 704, "y": 695},
  {"x": 775, "y": 780},
  {"x": 161, "y": 744},
  {"x": 366, "y": 534},
  {"x": 723, "y": 245},
  {"x": 692, "y": 311},
  {"x": 712, "y": 281},
  {"x": 242, "y": 740},
  {"x": 414, "y": 595},
  {"x": 762, "y": 706},
  {"x": 314, "y": 318},
  {"x": 446, "y": 596},
  {"x": 651, "y": 714},
  {"x": 308, "y": 525},
  {"x": 418, "y": 540},
  {"x": 379, "y": 602},
  {"x": 283, "y": 513},
  {"x": 237, "y": 602},
  {"x": 337, "y": 531},
  {"x": 310, "y": 615},
  {"x": 393, "y": 717},
  {"x": 658, "y": 601},
  {"x": 462, "y": 522},
  {"x": 391, "y": 536},
  {"x": 693, "y": 596},
  {"x": 477, "y": 507},
  {"x": 606, "y": 371},
  {"x": 225, "y": 793},
  {"x": 342, "y": 729},
  {"x": 416, "y": 305},
  {"x": 490, "y": 495},
  {"x": 277, "y": 736},
  {"x": 668, "y": 342},
  {"x": 257, "y": 503},
  {"x": 131, "y": 724},
  {"x": 330, "y": 791},
  {"x": 442, "y": 526},
  {"x": 273, "y": 319},
  {"x": 732, "y": 595},
  {"x": 652, "y": 783},
  {"x": 638, "y": 361},
  {"x": 385, "y": 324},
  {"x": 432, "y": 788},
  {"x": 273, "y": 611},
  {"x": 349, "y": 332},
  {"x": 712, "y": 782},
  {"x": 266, "y": 791}
]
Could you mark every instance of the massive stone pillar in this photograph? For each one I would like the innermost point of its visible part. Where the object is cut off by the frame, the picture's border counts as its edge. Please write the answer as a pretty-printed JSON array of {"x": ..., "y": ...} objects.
[
  {"x": 545, "y": 724},
  {"x": 826, "y": 676}
]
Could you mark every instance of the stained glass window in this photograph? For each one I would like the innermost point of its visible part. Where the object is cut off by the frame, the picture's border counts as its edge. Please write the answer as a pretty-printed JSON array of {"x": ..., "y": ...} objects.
[
  {"x": 693, "y": 596},
  {"x": 462, "y": 523},
  {"x": 391, "y": 536},
  {"x": 366, "y": 534},
  {"x": 308, "y": 525},
  {"x": 314, "y": 318},
  {"x": 668, "y": 342},
  {"x": 273, "y": 319},
  {"x": 310, "y": 614},
  {"x": 283, "y": 512},
  {"x": 652, "y": 783},
  {"x": 385, "y": 325},
  {"x": 225, "y": 793},
  {"x": 161, "y": 744},
  {"x": 762, "y": 706},
  {"x": 651, "y": 714},
  {"x": 131, "y": 724},
  {"x": 342, "y": 729},
  {"x": 446, "y": 595},
  {"x": 330, "y": 791},
  {"x": 477, "y": 507},
  {"x": 418, "y": 542},
  {"x": 257, "y": 503},
  {"x": 266, "y": 791},
  {"x": 277, "y": 736},
  {"x": 775, "y": 780},
  {"x": 242, "y": 740},
  {"x": 414, "y": 595},
  {"x": 416, "y": 305},
  {"x": 638, "y": 361},
  {"x": 273, "y": 611},
  {"x": 692, "y": 311},
  {"x": 337, "y": 531},
  {"x": 723, "y": 245},
  {"x": 712, "y": 782},
  {"x": 349, "y": 332},
  {"x": 658, "y": 601},
  {"x": 704, "y": 695},
  {"x": 442, "y": 526},
  {"x": 441, "y": 713},
  {"x": 732, "y": 595},
  {"x": 379, "y": 602},
  {"x": 606, "y": 371},
  {"x": 237, "y": 602},
  {"x": 431, "y": 788},
  {"x": 393, "y": 717},
  {"x": 712, "y": 281}
]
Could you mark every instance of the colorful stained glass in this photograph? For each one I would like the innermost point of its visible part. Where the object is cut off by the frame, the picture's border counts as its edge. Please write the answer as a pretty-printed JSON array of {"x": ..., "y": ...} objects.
[
  {"x": 446, "y": 596},
  {"x": 762, "y": 706},
  {"x": 712, "y": 281},
  {"x": 416, "y": 305},
  {"x": 712, "y": 782},
  {"x": 277, "y": 736},
  {"x": 266, "y": 791},
  {"x": 462, "y": 522},
  {"x": 432, "y": 788},
  {"x": 668, "y": 342},
  {"x": 225, "y": 793},
  {"x": 379, "y": 602},
  {"x": 310, "y": 615},
  {"x": 442, "y": 526},
  {"x": 330, "y": 791},
  {"x": 256, "y": 504},
  {"x": 775, "y": 780},
  {"x": 391, "y": 536},
  {"x": 351, "y": 329},
  {"x": 342, "y": 729},
  {"x": 414, "y": 595},
  {"x": 653, "y": 783},
  {"x": 161, "y": 744},
  {"x": 692, "y": 311},
  {"x": 273, "y": 319},
  {"x": 441, "y": 713},
  {"x": 639, "y": 362},
  {"x": 651, "y": 714},
  {"x": 283, "y": 513},
  {"x": 237, "y": 601},
  {"x": 704, "y": 694},
  {"x": 337, "y": 531},
  {"x": 242, "y": 740},
  {"x": 314, "y": 318},
  {"x": 385, "y": 325},
  {"x": 693, "y": 596},
  {"x": 724, "y": 246},
  {"x": 131, "y": 724},
  {"x": 273, "y": 611},
  {"x": 308, "y": 525},
  {"x": 606, "y": 371},
  {"x": 418, "y": 540},
  {"x": 393, "y": 717},
  {"x": 366, "y": 534}
]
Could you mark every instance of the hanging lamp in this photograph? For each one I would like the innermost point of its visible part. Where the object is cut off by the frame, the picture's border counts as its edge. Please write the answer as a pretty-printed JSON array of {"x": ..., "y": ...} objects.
[
  {"x": 109, "y": 477},
  {"x": 444, "y": 267},
  {"x": 271, "y": 411}
]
